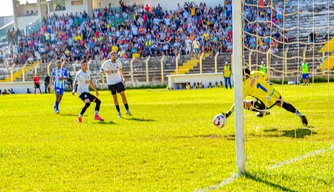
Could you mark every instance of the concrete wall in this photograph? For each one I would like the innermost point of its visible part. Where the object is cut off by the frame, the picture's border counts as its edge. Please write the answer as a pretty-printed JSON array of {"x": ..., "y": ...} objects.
[
  {"x": 72, "y": 8},
  {"x": 22, "y": 22},
  {"x": 206, "y": 78},
  {"x": 20, "y": 87}
]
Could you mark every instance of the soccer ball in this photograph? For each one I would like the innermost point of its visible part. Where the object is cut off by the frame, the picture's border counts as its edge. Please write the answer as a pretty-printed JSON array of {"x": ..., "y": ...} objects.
[{"x": 219, "y": 121}]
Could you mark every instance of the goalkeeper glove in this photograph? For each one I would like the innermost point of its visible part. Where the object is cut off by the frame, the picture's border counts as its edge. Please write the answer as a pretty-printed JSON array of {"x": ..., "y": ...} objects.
[{"x": 227, "y": 114}]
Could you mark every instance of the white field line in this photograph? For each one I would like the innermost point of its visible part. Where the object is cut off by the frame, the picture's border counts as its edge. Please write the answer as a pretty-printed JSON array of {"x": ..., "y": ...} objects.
[{"x": 280, "y": 164}]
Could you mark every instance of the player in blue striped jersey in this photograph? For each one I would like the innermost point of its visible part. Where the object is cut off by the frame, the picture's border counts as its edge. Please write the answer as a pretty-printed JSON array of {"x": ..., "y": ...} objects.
[{"x": 58, "y": 77}]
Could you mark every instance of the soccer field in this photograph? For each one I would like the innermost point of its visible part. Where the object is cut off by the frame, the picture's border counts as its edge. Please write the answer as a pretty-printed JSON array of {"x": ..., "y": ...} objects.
[{"x": 169, "y": 144}]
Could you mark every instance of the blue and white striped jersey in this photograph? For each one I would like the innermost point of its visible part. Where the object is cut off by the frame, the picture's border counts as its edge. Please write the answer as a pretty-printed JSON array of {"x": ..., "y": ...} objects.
[{"x": 59, "y": 73}]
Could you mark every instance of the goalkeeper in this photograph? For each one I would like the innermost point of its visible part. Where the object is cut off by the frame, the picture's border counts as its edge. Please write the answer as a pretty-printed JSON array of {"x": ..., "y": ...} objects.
[{"x": 265, "y": 95}]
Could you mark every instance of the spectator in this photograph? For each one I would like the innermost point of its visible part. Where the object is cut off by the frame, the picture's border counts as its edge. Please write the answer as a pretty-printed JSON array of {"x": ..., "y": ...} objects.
[
  {"x": 46, "y": 84},
  {"x": 187, "y": 86},
  {"x": 12, "y": 91},
  {"x": 312, "y": 39},
  {"x": 227, "y": 75}
]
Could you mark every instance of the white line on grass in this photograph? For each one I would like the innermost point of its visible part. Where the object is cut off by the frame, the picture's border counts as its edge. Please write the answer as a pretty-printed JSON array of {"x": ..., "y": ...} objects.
[
  {"x": 219, "y": 185},
  {"x": 313, "y": 153},
  {"x": 280, "y": 164}
]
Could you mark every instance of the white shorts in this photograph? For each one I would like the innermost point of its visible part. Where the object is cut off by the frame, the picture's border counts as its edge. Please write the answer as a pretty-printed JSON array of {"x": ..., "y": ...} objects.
[{"x": 188, "y": 49}]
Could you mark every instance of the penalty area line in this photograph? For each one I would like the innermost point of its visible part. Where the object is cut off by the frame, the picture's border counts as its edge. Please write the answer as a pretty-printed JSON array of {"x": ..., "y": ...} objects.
[{"x": 277, "y": 165}]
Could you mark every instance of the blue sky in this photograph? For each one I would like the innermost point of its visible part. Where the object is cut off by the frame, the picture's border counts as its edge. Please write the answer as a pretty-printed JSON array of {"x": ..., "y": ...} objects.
[{"x": 6, "y": 7}]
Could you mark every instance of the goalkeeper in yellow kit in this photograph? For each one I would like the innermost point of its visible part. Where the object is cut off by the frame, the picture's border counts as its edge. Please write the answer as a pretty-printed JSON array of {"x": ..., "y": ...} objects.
[{"x": 255, "y": 85}]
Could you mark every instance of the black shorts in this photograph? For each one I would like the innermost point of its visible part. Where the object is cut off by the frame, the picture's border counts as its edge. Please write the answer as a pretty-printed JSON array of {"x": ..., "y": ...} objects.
[
  {"x": 119, "y": 87},
  {"x": 86, "y": 95},
  {"x": 261, "y": 106},
  {"x": 37, "y": 86}
]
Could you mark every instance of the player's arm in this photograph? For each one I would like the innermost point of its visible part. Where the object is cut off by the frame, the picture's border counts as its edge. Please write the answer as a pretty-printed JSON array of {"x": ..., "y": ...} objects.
[
  {"x": 65, "y": 74},
  {"x": 122, "y": 75},
  {"x": 230, "y": 111},
  {"x": 51, "y": 80},
  {"x": 103, "y": 70},
  {"x": 74, "y": 85},
  {"x": 93, "y": 87}
]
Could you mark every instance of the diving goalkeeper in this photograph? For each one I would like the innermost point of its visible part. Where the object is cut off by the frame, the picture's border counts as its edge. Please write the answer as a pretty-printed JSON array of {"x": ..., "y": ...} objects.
[{"x": 255, "y": 85}]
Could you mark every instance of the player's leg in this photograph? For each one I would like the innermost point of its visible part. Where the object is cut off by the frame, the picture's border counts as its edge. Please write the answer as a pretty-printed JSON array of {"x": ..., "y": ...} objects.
[
  {"x": 83, "y": 110},
  {"x": 120, "y": 89},
  {"x": 225, "y": 81},
  {"x": 307, "y": 79},
  {"x": 92, "y": 98},
  {"x": 292, "y": 109},
  {"x": 256, "y": 106},
  {"x": 117, "y": 105},
  {"x": 251, "y": 105},
  {"x": 35, "y": 89},
  {"x": 113, "y": 91},
  {"x": 125, "y": 102},
  {"x": 56, "y": 103}
]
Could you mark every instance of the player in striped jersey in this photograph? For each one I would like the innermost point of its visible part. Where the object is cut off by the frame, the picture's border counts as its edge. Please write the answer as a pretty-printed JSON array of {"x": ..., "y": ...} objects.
[
  {"x": 83, "y": 80},
  {"x": 58, "y": 77}
]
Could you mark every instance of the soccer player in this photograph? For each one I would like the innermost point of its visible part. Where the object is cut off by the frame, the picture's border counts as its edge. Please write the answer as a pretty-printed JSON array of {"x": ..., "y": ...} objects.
[
  {"x": 304, "y": 66},
  {"x": 58, "y": 77},
  {"x": 255, "y": 85},
  {"x": 83, "y": 80},
  {"x": 115, "y": 80},
  {"x": 36, "y": 84}
]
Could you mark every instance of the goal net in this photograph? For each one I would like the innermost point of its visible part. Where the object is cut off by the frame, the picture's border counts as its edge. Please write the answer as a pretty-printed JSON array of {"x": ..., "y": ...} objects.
[{"x": 278, "y": 37}]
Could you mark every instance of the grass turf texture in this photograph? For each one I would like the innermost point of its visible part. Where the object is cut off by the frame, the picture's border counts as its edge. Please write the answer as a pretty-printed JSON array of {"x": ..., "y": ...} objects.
[{"x": 169, "y": 144}]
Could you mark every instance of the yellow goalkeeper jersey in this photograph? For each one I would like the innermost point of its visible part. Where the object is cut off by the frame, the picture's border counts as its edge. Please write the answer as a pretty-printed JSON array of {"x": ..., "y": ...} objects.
[{"x": 257, "y": 87}]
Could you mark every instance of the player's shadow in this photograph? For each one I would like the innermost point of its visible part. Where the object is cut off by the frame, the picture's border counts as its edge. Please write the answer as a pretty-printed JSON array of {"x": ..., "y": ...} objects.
[
  {"x": 70, "y": 115},
  {"x": 209, "y": 136},
  {"x": 258, "y": 178},
  {"x": 106, "y": 123},
  {"x": 295, "y": 133},
  {"x": 139, "y": 119}
]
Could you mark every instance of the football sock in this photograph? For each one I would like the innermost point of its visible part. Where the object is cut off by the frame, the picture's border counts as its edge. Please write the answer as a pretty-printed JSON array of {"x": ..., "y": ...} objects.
[
  {"x": 126, "y": 106},
  {"x": 57, "y": 104},
  {"x": 80, "y": 115},
  {"x": 98, "y": 103},
  {"x": 84, "y": 108},
  {"x": 117, "y": 108},
  {"x": 292, "y": 109}
]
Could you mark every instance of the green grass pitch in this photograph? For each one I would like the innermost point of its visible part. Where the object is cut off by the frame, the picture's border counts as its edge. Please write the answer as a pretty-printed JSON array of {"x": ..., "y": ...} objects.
[{"x": 169, "y": 144}]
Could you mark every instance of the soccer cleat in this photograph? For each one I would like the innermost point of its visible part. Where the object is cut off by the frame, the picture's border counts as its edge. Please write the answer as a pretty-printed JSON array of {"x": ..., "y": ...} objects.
[
  {"x": 304, "y": 120},
  {"x": 261, "y": 114},
  {"x": 55, "y": 108},
  {"x": 97, "y": 117},
  {"x": 128, "y": 112},
  {"x": 79, "y": 120},
  {"x": 119, "y": 115}
]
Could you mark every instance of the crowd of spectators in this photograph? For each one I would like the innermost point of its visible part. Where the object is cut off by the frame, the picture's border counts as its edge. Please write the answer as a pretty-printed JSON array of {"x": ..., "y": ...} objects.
[
  {"x": 141, "y": 31},
  {"x": 132, "y": 30},
  {"x": 30, "y": 13},
  {"x": 261, "y": 25},
  {"x": 5, "y": 92}
]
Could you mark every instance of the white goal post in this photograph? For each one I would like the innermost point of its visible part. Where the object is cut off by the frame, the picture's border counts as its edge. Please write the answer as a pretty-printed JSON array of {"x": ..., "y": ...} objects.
[{"x": 238, "y": 85}]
